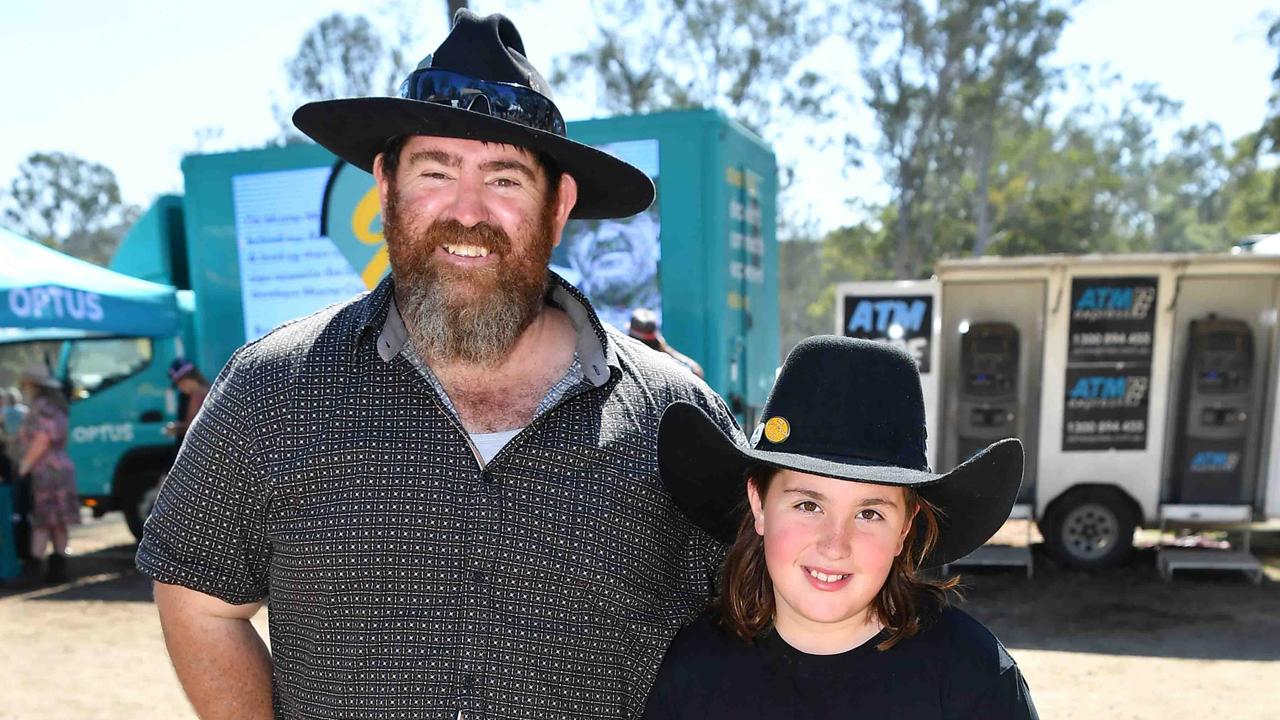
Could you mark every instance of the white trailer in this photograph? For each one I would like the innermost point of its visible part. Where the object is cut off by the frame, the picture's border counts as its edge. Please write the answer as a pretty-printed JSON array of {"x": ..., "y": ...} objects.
[{"x": 1143, "y": 387}]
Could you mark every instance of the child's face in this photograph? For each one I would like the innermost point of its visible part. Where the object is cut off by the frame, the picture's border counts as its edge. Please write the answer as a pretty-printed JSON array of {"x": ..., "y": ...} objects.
[{"x": 829, "y": 545}]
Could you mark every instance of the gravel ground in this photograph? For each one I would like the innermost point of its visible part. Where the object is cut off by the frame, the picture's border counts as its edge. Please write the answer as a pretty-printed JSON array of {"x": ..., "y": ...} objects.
[{"x": 1120, "y": 644}]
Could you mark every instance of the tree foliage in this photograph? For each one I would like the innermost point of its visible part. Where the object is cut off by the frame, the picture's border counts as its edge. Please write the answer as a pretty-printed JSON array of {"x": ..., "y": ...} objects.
[
  {"x": 70, "y": 204},
  {"x": 742, "y": 57},
  {"x": 345, "y": 56},
  {"x": 1267, "y": 139},
  {"x": 940, "y": 78}
]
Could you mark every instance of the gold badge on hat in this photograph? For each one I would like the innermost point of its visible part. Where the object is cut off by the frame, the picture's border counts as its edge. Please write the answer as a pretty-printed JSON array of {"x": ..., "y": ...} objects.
[{"x": 777, "y": 429}]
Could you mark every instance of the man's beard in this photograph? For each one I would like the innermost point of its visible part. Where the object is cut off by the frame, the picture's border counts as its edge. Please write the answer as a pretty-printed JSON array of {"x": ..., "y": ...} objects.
[{"x": 472, "y": 315}]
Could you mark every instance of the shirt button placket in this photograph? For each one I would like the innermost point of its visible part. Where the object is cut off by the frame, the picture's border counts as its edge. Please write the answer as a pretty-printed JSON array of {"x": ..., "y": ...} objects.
[{"x": 477, "y": 639}]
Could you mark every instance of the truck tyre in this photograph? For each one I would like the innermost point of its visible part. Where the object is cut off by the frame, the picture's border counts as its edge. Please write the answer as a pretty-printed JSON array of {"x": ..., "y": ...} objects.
[
  {"x": 137, "y": 504},
  {"x": 1090, "y": 528}
]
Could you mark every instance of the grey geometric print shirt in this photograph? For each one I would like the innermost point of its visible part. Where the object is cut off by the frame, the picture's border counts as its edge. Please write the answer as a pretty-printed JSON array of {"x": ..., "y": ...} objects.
[{"x": 406, "y": 581}]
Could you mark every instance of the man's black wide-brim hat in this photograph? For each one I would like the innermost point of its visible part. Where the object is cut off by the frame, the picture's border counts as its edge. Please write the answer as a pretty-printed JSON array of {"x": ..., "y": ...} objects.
[
  {"x": 490, "y": 50},
  {"x": 848, "y": 409}
]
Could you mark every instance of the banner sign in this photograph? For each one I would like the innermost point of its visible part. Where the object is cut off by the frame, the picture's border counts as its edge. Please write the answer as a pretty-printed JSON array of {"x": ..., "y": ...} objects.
[
  {"x": 1106, "y": 409},
  {"x": 1108, "y": 372},
  {"x": 287, "y": 268},
  {"x": 1112, "y": 319},
  {"x": 902, "y": 320}
]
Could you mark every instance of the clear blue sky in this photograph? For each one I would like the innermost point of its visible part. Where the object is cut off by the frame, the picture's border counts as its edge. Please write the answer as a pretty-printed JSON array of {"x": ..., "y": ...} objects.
[{"x": 131, "y": 84}]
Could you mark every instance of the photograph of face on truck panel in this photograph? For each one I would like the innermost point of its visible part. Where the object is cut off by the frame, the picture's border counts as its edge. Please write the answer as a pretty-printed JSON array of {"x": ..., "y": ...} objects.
[{"x": 1142, "y": 386}]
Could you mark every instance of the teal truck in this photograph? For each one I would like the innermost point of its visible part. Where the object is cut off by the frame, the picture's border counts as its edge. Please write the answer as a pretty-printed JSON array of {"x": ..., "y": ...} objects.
[{"x": 263, "y": 236}]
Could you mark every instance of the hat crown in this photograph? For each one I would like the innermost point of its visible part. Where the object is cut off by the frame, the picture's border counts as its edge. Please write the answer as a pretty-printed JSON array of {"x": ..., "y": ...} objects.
[
  {"x": 849, "y": 398},
  {"x": 487, "y": 48}
]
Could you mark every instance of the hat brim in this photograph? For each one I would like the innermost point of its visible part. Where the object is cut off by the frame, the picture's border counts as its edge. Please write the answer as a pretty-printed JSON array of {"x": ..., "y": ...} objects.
[
  {"x": 704, "y": 469},
  {"x": 356, "y": 129}
]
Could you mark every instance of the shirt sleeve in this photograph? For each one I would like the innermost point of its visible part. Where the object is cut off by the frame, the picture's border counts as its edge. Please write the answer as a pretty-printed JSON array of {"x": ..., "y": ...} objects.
[
  {"x": 984, "y": 682},
  {"x": 1008, "y": 698},
  {"x": 207, "y": 531}
]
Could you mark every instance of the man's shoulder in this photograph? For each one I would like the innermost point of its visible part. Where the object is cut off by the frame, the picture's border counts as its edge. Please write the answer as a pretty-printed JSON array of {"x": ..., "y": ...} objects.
[
  {"x": 655, "y": 368},
  {"x": 657, "y": 375},
  {"x": 322, "y": 335}
]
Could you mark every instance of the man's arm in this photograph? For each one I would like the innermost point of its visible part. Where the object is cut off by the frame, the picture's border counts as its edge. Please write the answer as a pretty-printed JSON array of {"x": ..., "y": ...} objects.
[{"x": 222, "y": 663}]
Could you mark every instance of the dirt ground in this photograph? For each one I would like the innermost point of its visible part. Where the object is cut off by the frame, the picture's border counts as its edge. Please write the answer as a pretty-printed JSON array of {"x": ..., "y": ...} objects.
[{"x": 1121, "y": 644}]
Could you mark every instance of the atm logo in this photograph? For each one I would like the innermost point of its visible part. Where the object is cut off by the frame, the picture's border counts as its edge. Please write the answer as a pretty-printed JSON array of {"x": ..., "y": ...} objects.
[
  {"x": 1214, "y": 461},
  {"x": 1114, "y": 303},
  {"x": 877, "y": 317},
  {"x": 1096, "y": 391}
]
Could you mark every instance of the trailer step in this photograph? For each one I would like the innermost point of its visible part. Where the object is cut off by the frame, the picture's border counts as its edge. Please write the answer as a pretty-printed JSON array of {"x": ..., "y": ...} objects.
[
  {"x": 996, "y": 556},
  {"x": 999, "y": 554},
  {"x": 1171, "y": 559}
]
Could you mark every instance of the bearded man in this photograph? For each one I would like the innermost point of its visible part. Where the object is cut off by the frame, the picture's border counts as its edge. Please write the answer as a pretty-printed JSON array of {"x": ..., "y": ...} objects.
[{"x": 447, "y": 487}]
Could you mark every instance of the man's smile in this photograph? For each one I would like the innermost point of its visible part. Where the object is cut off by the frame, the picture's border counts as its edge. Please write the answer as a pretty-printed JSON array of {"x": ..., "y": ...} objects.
[{"x": 466, "y": 250}]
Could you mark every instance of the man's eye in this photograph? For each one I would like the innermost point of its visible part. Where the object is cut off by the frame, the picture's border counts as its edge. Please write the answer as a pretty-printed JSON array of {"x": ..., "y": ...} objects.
[
  {"x": 434, "y": 175},
  {"x": 506, "y": 183}
]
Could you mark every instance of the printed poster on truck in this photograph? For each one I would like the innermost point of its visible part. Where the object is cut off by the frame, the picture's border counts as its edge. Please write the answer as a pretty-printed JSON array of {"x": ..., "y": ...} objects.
[
  {"x": 1108, "y": 372},
  {"x": 1112, "y": 319},
  {"x": 902, "y": 320}
]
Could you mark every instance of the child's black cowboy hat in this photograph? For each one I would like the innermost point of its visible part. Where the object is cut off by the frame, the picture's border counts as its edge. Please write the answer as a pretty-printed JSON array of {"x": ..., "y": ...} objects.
[
  {"x": 847, "y": 409},
  {"x": 478, "y": 85}
]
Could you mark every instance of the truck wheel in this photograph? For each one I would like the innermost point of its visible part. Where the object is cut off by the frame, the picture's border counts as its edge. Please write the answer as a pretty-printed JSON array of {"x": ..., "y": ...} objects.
[
  {"x": 1090, "y": 529},
  {"x": 138, "y": 503}
]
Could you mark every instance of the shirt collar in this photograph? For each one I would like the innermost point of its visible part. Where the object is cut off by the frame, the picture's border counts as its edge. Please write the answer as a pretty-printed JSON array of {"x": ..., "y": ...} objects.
[{"x": 594, "y": 350}]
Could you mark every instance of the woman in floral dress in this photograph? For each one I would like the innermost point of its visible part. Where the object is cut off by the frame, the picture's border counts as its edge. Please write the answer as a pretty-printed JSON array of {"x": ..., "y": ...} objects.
[{"x": 48, "y": 470}]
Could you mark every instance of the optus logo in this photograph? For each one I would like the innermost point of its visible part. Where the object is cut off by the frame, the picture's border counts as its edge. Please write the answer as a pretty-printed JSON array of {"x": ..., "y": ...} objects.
[{"x": 55, "y": 303}]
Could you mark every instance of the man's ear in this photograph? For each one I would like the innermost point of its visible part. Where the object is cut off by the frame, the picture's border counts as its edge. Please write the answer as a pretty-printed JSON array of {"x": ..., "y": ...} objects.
[
  {"x": 566, "y": 199},
  {"x": 380, "y": 177}
]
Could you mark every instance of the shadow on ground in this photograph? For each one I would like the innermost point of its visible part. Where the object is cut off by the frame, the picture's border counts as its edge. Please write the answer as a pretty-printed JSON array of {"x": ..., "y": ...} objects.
[
  {"x": 1129, "y": 610},
  {"x": 104, "y": 575}
]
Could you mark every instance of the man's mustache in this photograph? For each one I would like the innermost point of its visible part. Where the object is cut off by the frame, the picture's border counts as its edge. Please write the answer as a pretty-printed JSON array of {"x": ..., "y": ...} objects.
[{"x": 483, "y": 235}]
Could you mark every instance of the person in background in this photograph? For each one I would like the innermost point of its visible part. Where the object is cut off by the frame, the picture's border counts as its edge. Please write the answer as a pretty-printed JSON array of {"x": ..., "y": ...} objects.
[
  {"x": 8, "y": 432},
  {"x": 49, "y": 476},
  {"x": 194, "y": 388},
  {"x": 831, "y": 513},
  {"x": 644, "y": 327}
]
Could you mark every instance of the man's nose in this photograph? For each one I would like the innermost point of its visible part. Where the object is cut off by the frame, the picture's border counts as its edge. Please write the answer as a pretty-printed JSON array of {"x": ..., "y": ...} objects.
[{"x": 468, "y": 202}]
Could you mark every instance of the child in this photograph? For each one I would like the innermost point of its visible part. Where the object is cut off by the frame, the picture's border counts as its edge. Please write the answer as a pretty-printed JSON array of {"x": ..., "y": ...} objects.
[{"x": 822, "y": 613}]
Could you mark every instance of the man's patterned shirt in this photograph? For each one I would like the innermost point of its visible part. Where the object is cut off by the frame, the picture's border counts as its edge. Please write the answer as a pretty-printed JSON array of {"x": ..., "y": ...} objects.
[{"x": 407, "y": 581}]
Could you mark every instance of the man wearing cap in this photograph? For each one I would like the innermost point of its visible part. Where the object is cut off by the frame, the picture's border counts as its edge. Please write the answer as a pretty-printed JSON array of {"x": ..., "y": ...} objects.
[
  {"x": 643, "y": 326},
  {"x": 447, "y": 487}
]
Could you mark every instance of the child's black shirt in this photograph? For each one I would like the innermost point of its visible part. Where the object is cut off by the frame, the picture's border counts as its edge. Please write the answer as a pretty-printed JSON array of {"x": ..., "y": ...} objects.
[{"x": 953, "y": 668}]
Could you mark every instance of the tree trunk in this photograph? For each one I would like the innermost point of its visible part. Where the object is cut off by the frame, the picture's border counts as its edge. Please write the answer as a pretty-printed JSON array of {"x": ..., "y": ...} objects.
[
  {"x": 452, "y": 7},
  {"x": 981, "y": 201}
]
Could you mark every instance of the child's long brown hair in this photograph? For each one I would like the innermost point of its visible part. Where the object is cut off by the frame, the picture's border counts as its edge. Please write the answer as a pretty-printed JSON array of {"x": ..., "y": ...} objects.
[{"x": 746, "y": 604}]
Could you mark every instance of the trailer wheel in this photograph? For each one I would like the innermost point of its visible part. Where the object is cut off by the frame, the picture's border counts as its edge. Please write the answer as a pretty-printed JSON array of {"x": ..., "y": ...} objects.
[
  {"x": 1090, "y": 529},
  {"x": 138, "y": 502}
]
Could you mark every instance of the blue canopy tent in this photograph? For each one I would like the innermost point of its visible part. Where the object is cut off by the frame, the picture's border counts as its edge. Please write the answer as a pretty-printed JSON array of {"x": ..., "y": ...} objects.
[{"x": 51, "y": 296}]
